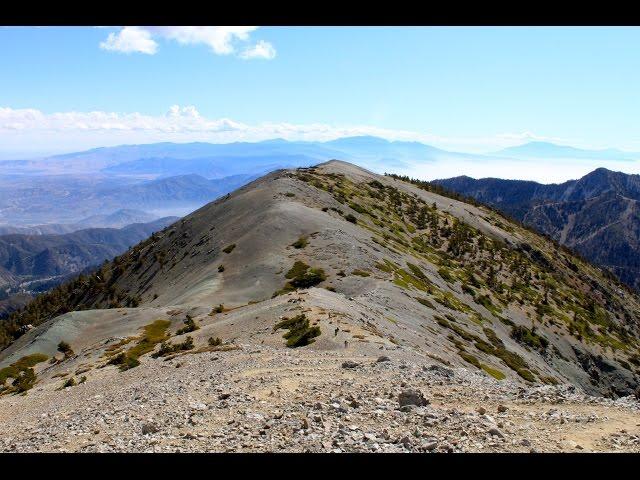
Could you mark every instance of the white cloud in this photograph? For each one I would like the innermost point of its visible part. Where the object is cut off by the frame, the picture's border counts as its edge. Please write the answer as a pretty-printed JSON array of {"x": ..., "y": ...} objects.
[
  {"x": 221, "y": 40},
  {"x": 19, "y": 127},
  {"x": 33, "y": 132},
  {"x": 129, "y": 40},
  {"x": 261, "y": 49}
]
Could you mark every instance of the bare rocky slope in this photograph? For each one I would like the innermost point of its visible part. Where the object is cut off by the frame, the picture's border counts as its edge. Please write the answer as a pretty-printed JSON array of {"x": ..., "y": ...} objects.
[{"x": 411, "y": 321}]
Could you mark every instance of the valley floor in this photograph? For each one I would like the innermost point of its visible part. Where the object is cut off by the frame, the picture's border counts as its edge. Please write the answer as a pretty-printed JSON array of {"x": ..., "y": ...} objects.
[{"x": 264, "y": 399}]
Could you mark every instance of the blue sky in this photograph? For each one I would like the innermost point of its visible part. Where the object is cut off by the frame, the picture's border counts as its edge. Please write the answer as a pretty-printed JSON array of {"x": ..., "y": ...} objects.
[{"x": 471, "y": 89}]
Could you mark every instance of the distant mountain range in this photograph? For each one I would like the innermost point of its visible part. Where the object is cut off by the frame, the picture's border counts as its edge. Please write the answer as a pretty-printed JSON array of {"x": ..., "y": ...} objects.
[
  {"x": 222, "y": 160},
  {"x": 37, "y": 200},
  {"x": 597, "y": 215},
  {"x": 118, "y": 219},
  {"x": 551, "y": 150},
  {"x": 51, "y": 255},
  {"x": 31, "y": 264}
]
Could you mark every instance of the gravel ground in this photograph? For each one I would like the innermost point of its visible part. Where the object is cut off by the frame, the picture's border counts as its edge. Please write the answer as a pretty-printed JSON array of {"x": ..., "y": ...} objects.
[{"x": 264, "y": 399}]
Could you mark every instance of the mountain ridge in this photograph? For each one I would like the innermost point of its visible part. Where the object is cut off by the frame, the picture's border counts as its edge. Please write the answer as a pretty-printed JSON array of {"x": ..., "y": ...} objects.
[
  {"x": 426, "y": 265},
  {"x": 597, "y": 215}
]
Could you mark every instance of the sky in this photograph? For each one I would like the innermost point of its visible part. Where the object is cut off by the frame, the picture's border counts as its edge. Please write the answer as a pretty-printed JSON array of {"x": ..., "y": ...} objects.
[{"x": 471, "y": 89}]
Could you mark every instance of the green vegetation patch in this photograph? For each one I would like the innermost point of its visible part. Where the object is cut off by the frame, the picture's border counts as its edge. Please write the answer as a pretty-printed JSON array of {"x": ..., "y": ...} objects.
[
  {"x": 22, "y": 372},
  {"x": 167, "y": 348},
  {"x": 494, "y": 372},
  {"x": 301, "y": 242},
  {"x": 190, "y": 325},
  {"x": 467, "y": 357},
  {"x": 527, "y": 337},
  {"x": 153, "y": 334},
  {"x": 300, "y": 333},
  {"x": 301, "y": 275},
  {"x": 416, "y": 271},
  {"x": 426, "y": 303},
  {"x": 360, "y": 273},
  {"x": 229, "y": 248}
]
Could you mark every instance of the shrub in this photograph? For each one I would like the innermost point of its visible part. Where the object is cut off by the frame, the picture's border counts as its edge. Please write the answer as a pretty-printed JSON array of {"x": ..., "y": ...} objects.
[
  {"x": 528, "y": 337},
  {"x": 426, "y": 303},
  {"x": 494, "y": 372},
  {"x": 350, "y": 218},
  {"x": 300, "y": 243},
  {"x": 65, "y": 349},
  {"x": 229, "y": 248},
  {"x": 25, "y": 380},
  {"x": 221, "y": 268},
  {"x": 361, "y": 273},
  {"x": 214, "y": 342},
  {"x": 189, "y": 326},
  {"x": 444, "y": 273},
  {"x": 124, "y": 361},
  {"x": 70, "y": 382},
  {"x": 416, "y": 271},
  {"x": 302, "y": 275},
  {"x": 167, "y": 348},
  {"x": 300, "y": 333},
  {"x": 467, "y": 357},
  {"x": 154, "y": 333},
  {"x": 311, "y": 277},
  {"x": 468, "y": 290},
  {"x": 24, "y": 377}
]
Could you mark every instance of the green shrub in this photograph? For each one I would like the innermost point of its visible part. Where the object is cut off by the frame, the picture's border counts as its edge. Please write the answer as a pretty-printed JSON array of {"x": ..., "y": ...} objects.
[
  {"x": 214, "y": 342},
  {"x": 528, "y": 337},
  {"x": 218, "y": 309},
  {"x": 302, "y": 275},
  {"x": 70, "y": 382},
  {"x": 350, "y": 218},
  {"x": 416, "y": 271},
  {"x": 65, "y": 349},
  {"x": 467, "y": 357},
  {"x": 300, "y": 333},
  {"x": 167, "y": 348},
  {"x": 154, "y": 333},
  {"x": 468, "y": 290},
  {"x": 494, "y": 372},
  {"x": 360, "y": 273},
  {"x": 229, "y": 248},
  {"x": 25, "y": 381},
  {"x": 221, "y": 268},
  {"x": 22, "y": 373},
  {"x": 189, "y": 326},
  {"x": 301, "y": 242}
]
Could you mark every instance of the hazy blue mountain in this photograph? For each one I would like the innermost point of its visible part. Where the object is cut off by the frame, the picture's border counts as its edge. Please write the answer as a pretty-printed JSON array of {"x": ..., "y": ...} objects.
[
  {"x": 55, "y": 199},
  {"x": 598, "y": 215},
  {"x": 118, "y": 219},
  {"x": 551, "y": 150},
  {"x": 217, "y": 160},
  {"x": 210, "y": 167},
  {"x": 38, "y": 256}
]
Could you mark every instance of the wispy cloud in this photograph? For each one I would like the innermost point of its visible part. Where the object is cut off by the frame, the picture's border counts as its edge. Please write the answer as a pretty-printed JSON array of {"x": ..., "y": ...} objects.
[
  {"x": 221, "y": 40},
  {"x": 261, "y": 49},
  {"x": 186, "y": 123}
]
